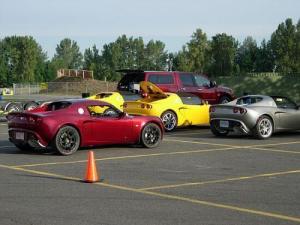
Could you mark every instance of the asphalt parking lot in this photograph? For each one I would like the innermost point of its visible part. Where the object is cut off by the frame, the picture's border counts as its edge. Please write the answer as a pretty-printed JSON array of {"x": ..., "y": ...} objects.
[{"x": 192, "y": 178}]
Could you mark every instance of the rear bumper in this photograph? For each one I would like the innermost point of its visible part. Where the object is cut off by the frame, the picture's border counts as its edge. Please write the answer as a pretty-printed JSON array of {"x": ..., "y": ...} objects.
[
  {"x": 234, "y": 125},
  {"x": 30, "y": 137}
]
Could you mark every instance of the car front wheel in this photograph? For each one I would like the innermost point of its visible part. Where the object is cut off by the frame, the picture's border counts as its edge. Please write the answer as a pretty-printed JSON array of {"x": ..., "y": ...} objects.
[
  {"x": 67, "y": 140},
  {"x": 151, "y": 135}
]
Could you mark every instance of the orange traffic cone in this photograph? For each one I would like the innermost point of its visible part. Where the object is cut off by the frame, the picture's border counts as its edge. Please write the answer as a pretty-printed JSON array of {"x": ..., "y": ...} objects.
[{"x": 91, "y": 175}]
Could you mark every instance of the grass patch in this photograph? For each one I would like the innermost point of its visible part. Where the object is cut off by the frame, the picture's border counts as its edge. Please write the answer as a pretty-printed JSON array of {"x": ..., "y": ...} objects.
[{"x": 266, "y": 84}]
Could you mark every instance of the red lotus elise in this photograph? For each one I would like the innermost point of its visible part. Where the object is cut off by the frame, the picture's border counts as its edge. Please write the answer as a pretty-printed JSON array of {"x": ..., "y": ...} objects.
[{"x": 69, "y": 124}]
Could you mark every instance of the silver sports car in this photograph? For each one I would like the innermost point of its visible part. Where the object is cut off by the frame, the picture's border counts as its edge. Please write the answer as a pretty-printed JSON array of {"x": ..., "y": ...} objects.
[{"x": 258, "y": 115}]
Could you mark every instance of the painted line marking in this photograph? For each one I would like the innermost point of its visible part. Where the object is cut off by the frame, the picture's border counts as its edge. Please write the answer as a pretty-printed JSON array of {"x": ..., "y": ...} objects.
[
  {"x": 167, "y": 196},
  {"x": 186, "y": 133},
  {"x": 201, "y": 142},
  {"x": 129, "y": 157},
  {"x": 233, "y": 146},
  {"x": 8, "y": 146},
  {"x": 274, "y": 150},
  {"x": 220, "y": 181}
]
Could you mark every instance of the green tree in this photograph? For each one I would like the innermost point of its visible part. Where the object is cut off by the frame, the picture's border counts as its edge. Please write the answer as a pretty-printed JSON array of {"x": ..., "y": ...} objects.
[
  {"x": 297, "y": 48},
  {"x": 194, "y": 56},
  {"x": 223, "y": 52},
  {"x": 247, "y": 55},
  {"x": 283, "y": 44},
  {"x": 21, "y": 59},
  {"x": 155, "y": 56},
  {"x": 181, "y": 60},
  {"x": 92, "y": 61},
  {"x": 68, "y": 55},
  {"x": 265, "y": 58}
]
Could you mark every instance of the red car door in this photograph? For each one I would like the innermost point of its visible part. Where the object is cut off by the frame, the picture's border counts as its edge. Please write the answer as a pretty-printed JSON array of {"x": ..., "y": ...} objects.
[
  {"x": 198, "y": 85},
  {"x": 107, "y": 125}
]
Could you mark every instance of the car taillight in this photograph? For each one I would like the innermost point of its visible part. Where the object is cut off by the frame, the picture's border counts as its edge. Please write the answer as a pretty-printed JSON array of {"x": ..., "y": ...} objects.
[
  {"x": 147, "y": 106},
  {"x": 239, "y": 110},
  {"x": 34, "y": 119},
  {"x": 212, "y": 109}
]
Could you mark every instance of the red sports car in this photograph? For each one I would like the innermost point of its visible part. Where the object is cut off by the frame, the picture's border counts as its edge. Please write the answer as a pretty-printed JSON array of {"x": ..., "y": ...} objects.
[{"x": 69, "y": 124}]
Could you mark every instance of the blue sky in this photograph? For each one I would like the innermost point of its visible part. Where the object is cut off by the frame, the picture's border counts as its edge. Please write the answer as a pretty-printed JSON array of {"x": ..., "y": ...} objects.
[{"x": 172, "y": 21}]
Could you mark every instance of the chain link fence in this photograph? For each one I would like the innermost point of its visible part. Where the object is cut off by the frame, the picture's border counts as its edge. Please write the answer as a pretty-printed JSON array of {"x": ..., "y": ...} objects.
[{"x": 64, "y": 88}]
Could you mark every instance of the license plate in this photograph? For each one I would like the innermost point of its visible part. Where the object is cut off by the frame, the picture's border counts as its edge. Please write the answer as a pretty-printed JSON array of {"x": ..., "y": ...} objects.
[
  {"x": 20, "y": 135},
  {"x": 224, "y": 123}
]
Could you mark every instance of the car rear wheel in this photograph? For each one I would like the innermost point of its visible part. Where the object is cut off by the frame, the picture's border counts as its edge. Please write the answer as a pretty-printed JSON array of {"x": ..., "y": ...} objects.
[
  {"x": 217, "y": 131},
  {"x": 169, "y": 120},
  {"x": 151, "y": 135},
  {"x": 263, "y": 128},
  {"x": 67, "y": 140}
]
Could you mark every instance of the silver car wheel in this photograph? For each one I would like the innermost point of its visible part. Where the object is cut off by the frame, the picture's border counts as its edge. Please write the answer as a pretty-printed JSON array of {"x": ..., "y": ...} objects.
[
  {"x": 265, "y": 128},
  {"x": 169, "y": 120}
]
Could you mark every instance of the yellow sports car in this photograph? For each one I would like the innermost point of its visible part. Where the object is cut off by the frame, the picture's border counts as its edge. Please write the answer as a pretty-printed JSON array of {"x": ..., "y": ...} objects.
[
  {"x": 175, "y": 110},
  {"x": 117, "y": 99},
  {"x": 114, "y": 98}
]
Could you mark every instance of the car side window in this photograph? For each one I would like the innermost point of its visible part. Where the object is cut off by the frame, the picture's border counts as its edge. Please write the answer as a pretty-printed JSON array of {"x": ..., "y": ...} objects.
[
  {"x": 201, "y": 81},
  {"x": 187, "y": 80},
  {"x": 285, "y": 103},
  {"x": 248, "y": 100},
  {"x": 103, "y": 111},
  {"x": 161, "y": 79}
]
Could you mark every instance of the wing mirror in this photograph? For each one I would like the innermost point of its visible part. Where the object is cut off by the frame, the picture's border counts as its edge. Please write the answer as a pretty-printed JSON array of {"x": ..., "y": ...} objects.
[{"x": 213, "y": 84}]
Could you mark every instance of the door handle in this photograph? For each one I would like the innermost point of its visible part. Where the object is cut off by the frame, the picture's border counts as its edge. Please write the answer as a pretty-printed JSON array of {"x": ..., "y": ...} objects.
[{"x": 199, "y": 89}]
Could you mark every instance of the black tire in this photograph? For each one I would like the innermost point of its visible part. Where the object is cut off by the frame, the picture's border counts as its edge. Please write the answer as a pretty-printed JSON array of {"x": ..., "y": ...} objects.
[
  {"x": 67, "y": 140},
  {"x": 264, "y": 128},
  {"x": 24, "y": 147},
  {"x": 169, "y": 120},
  {"x": 151, "y": 135},
  {"x": 218, "y": 132},
  {"x": 30, "y": 105},
  {"x": 224, "y": 99},
  {"x": 13, "y": 107}
]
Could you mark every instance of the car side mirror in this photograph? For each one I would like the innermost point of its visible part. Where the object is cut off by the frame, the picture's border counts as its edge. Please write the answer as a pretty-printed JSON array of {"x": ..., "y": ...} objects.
[
  {"x": 213, "y": 84},
  {"x": 123, "y": 114}
]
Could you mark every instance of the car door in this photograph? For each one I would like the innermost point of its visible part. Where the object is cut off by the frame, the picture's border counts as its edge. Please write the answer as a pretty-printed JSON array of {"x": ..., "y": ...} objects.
[
  {"x": 197, "y": 85},
  {"x": 289, "y": 113},
  {"x": 193, "y": 109},
  {"x": 108, "y": 125}
]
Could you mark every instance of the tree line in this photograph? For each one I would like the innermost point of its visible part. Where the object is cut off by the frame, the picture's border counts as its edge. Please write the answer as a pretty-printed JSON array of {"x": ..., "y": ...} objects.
[{"x": 22, "y": 59}]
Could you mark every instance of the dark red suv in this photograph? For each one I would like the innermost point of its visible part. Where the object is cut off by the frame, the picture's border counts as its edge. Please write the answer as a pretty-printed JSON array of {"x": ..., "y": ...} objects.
[{"x": 174, "y": 81}]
